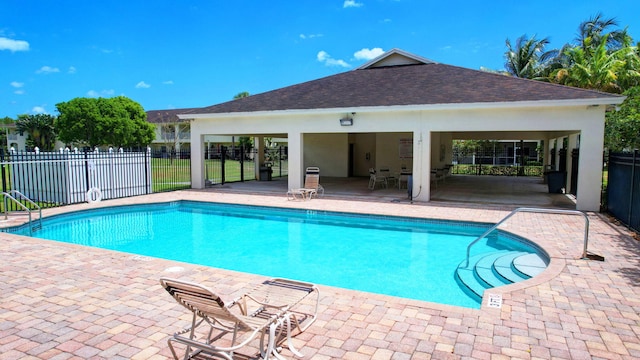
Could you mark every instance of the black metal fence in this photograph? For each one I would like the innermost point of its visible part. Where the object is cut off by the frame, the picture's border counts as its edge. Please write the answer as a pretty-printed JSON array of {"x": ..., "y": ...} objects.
[
  {"x": 225, "y": 164},
  {"x": 623, "y": 188},
  {"x": 497, "y": 154},
  {"x": 171, "y": 170}
]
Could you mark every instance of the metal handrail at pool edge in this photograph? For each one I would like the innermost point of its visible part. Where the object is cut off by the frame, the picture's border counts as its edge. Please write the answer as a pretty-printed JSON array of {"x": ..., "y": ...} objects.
[
  {"x": 6, "y": 209},
  {"x": 535, "y": 210}
]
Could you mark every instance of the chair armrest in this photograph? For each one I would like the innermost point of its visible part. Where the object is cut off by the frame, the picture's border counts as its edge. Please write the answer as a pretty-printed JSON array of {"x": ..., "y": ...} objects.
[{"x": 242, "y": 303}]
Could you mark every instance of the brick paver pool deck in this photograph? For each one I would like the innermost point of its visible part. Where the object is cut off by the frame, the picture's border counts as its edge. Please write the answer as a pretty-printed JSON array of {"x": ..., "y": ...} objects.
[{"x": 63, "y": 301}]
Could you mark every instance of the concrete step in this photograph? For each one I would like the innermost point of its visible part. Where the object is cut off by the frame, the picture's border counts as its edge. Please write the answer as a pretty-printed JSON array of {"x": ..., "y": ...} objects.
[
  {"x": 467, "y": 280},
  {"x": 503, "y": 267},
  {"x": 489, "y": 270},
  {"x": 484, "y": 270},
  {"x": 529, "y": 265}
]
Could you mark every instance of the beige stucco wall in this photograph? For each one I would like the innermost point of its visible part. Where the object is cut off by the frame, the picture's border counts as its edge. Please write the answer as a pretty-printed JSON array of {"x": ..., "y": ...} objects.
[{"x": 328, "y": 152}]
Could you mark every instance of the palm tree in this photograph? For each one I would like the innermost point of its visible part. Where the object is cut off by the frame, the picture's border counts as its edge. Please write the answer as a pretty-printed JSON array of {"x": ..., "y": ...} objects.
[
  {"x": 237, "y": 96},
  {"x": 40, "y": 130},
  {"x": 528, "y": 59},
  {"x": 592, "y": 33},
  {"x": 600, "y": 58},
  {"x": 598, "y": 69}
]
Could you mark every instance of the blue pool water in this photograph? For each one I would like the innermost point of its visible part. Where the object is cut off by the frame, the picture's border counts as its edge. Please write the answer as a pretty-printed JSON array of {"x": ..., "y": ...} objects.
[{"x": 410, "y": 258}]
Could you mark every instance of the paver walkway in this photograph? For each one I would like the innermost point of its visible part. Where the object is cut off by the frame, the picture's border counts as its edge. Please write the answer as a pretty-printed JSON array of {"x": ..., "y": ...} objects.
[{"x": 63, "y": 301}]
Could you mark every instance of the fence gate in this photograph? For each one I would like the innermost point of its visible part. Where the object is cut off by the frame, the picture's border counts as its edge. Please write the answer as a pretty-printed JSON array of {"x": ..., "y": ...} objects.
[
  {"x": 225, "y": 164},
  {"x": 575, "y": 157}
]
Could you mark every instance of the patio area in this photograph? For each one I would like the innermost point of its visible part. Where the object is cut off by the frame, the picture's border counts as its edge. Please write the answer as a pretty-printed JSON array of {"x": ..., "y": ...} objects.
[
  {"x": 63, "y": 301},
  {"x": 469, "y": 190}
]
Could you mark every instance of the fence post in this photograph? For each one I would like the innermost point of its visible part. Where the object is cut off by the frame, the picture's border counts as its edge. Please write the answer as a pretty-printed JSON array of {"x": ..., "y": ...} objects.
[
  {"x": 86, "y": 169},
  {"x": 3, "y": 169},
  {"x": 147, "y": 186},
  {"x": 223, "y": 155},
  {"x": 241, "y": 163}
]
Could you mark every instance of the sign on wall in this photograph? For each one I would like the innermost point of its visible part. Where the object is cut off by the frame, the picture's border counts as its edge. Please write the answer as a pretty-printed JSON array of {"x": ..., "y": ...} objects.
[{"x": 406, "y": 148}]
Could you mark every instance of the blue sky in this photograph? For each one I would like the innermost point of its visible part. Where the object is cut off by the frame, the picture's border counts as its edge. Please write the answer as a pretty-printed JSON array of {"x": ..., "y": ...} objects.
[{"x": 177, "y": 54}]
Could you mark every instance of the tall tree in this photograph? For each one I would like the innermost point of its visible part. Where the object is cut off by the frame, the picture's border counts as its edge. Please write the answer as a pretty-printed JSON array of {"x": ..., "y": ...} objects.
[
  {"x": 594, "y": 31},
  {"x": 601, "y": 58},
  {"x": 117, "y": 121},
  {"x": 5, "y": 124},
  {"x": 39, "y": 129},
  {"x": 592, "y": 68},
  {"x": 244, "y": 141},
  {"x": 622, "y": 127},
  {"x": 528, "y": 58}
]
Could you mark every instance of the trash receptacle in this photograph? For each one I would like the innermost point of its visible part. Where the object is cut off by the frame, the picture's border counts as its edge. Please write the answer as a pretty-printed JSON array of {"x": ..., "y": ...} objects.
[
  {"x": 265, "y": 173},
  {"x": 556, "y": 181},
  {"x": 547, "y": 169}
]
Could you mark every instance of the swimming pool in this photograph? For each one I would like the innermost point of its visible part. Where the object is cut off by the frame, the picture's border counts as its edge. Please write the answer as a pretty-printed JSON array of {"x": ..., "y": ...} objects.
[{"x": 405, "y": 257}]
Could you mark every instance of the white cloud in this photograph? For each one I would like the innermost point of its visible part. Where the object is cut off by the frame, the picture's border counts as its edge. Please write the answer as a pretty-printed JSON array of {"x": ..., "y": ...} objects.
[
  {"x": 47, "y": 70},
  {"x": 368, "y": 54},
  {"x": 329, "y": 61},
  {"x": 168, "y": 82},
  {"x": 102, "y": 50},
  {"x": 19, "y": 92},
  {"x": 102, "y": 93},
  {"x": 16, "y": 84},
  {"x": 72, "y": 70},
  {"x": 38, "y": 110},
  {"x": 13, "y": 45},
  {"x": 142, "y": 85},
  {"x": 351, "y": 3},
  {"x": 309, "y": 36},
  {"x": 322, "y": 55}
]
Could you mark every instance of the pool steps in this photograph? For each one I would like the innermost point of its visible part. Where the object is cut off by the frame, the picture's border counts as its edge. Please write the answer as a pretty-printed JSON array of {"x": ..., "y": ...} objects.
[{"x": 495, "y": 269}]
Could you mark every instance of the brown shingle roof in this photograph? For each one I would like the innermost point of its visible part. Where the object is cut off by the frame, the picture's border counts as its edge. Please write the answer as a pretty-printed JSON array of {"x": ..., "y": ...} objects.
[
  {"x": 421, "y": 84},
  {"x": 166, "y": 116}
]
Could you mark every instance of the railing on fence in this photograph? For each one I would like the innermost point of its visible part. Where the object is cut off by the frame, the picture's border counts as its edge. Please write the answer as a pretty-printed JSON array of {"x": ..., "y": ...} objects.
[{"x": 623, "y": 188}]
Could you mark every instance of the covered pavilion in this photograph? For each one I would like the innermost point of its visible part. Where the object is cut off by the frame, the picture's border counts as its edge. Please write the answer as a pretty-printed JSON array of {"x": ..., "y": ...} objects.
[{"x": 401, "y": 110}]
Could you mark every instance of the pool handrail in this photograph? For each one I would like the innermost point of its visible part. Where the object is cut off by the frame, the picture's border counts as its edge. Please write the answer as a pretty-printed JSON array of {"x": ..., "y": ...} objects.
[
  {"x": 18, "y": 193},
  {"x": 535, "y": 210}
]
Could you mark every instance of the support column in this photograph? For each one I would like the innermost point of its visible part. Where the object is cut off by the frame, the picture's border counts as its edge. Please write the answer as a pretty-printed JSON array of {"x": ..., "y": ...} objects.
[
  {"x": 571, "y": 144},
  {"x": 258, "y": 145},
  {"x": 421, "y": 190},
  {"x": 197, "y": 162},
  {"x": 590, "y": 169},
  {"x": 296, "y": 159}
]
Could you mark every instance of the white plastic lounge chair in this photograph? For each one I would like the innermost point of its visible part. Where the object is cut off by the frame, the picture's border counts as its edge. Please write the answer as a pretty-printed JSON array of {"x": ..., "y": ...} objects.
[
  {"x": 375, "y": 179},
  {"x": 219, "y": 329},
  {"x": 312, "y": 187},
  {"x": 312, "y": 181},
  {"x": 386, "y": 173}
]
